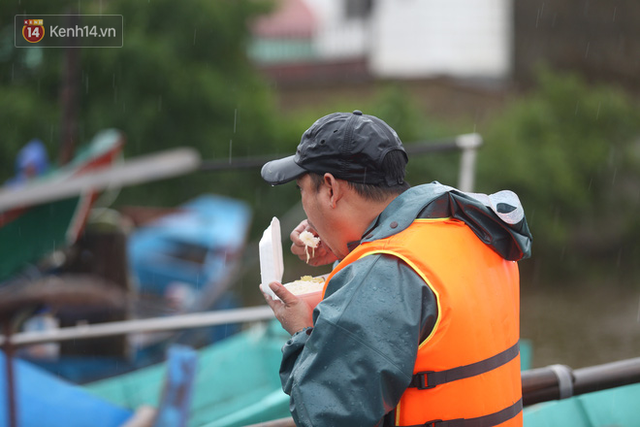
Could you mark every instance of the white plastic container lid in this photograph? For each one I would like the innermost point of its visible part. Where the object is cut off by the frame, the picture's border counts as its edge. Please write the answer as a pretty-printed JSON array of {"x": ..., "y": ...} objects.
[{"x": 271, "y": 263}]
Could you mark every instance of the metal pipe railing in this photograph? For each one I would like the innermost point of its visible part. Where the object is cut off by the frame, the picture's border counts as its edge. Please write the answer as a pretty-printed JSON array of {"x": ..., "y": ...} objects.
[
  {"x": 468, "y": 144},
  {"x": 544, "y": 384},
  {"x": 155, "y": 324}
]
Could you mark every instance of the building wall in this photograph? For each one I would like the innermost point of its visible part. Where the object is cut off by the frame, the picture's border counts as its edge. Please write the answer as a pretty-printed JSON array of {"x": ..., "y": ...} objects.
[
  {"x": 339, "y": 37},
  {"x": 457, "y": 38},
  {"x": 420, "y": 38}
]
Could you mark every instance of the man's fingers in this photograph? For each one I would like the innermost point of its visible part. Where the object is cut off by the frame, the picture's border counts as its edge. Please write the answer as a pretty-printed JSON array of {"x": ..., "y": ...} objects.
[
  {"x": 298, "y": 250},
  {"x": 299, "y": 229},
  {"x": 282, "y": 293}
]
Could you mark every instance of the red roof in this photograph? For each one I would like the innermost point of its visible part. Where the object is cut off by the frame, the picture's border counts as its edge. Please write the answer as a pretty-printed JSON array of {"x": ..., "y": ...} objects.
[{"x": 290, "y": 19}]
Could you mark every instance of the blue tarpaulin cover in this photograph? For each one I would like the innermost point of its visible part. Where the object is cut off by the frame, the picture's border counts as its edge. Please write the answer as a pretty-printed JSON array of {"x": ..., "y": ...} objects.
[{"x": 44, "y": 400}]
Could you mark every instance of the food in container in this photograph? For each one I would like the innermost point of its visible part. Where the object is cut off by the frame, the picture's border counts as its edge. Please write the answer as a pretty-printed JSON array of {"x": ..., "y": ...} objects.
[
  {"x": 271, "y": 265},
  {"x": 308, "y": 288}
]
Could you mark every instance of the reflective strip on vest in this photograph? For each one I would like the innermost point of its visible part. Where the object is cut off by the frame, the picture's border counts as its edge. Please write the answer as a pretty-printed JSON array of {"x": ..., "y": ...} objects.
[{"x": 477, "y": 294}]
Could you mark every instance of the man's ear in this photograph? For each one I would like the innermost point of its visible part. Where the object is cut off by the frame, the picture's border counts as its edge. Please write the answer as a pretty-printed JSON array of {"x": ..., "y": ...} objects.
[{"x": 334, "y": 188}]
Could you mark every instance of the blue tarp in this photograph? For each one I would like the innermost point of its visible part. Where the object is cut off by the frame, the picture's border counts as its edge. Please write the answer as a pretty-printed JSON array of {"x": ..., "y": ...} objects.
[{"x": 44, "y": 400}]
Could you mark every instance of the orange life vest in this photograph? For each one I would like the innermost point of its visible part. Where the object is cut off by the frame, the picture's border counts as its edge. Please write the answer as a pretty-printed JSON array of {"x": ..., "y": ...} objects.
[{"x": 468, "y": 368}]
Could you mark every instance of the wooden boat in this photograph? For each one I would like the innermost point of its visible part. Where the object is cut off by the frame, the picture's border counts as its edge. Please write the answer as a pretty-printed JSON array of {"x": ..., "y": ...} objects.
[
  {"x": 41, "y": 216},
  {"x": 237, "y": 384},
  {"x": 29, "y": 231},
  {"x": 614, "y": 407},
  {"x": 193, "y": 248},
  {"x": 48, "y": 212},
  {"x": 182, "y": 262}
]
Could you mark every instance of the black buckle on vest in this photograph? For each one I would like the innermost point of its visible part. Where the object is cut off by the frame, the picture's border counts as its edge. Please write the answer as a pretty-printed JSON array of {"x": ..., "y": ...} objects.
[
  {"x": 457, "y": 422},
  {"x": 423, "y": 384}
]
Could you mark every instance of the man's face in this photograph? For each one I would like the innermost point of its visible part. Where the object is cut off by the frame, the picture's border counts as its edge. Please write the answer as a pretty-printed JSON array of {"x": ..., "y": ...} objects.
[{"x": 316, "y": 205}]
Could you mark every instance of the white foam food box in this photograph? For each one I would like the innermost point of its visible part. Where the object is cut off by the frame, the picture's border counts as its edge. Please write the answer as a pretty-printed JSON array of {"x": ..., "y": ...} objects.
[{"x": 271, "y": 263}]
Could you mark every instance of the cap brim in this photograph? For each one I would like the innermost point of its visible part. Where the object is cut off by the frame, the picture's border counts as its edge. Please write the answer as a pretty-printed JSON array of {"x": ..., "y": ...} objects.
[{"x": 281, "y": 171}]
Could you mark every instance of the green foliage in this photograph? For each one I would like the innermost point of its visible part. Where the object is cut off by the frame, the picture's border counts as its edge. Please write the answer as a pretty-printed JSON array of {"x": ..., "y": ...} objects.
[
  {"x": 570, "y": 150},
  {"x": 29, "y": 89},
  {"x": 182, "y": 78},
  {"x": 566, "y": 149}
]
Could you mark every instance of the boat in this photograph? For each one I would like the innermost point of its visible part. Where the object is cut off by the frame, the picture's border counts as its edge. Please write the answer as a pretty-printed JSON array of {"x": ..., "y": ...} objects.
[
  {"x": 595, "y": 396},
  {"x": 237, "y": 381},
  {"x": 185, "y": 262},
  {"x": 31, "y": 231},
  {"x": 193, "y": 249},
  {"x": 614, "y": 407},
  {"x": 42, "y": 220},
  {"x": 182, "y": 262},
  {"x": 237, "y": 384}
]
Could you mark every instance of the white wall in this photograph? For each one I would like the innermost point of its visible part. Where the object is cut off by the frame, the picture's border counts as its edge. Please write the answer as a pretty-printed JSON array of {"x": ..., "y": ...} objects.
[
  {"x": 337, "y": 37},
  {"x": 462, "y": 38},
  {"x": 420, "y": 38}
]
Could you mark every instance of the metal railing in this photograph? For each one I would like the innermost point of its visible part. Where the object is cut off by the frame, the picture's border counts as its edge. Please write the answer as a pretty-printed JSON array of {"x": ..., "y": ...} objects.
[
  {"x": 155, "y": 324},
  {"x": 468, "y": 144}
]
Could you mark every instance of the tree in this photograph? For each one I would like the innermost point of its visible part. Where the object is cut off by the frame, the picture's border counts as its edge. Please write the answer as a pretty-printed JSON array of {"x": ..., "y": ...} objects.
[
  {"x": 571, "y": 152},
  {"x": 182, "y": 78}
]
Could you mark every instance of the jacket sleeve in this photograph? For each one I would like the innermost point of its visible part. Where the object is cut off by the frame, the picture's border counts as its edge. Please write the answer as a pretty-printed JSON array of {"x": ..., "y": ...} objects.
[{"x": 353, "y": 366}]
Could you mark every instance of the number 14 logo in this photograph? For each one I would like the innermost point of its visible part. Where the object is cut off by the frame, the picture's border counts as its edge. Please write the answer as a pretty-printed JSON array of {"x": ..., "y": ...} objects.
[{"x": 33, "y": 30}]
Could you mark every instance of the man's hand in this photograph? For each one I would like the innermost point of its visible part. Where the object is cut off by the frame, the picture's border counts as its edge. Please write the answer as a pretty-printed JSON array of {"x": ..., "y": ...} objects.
[
  {"x": 293, "y": 313},
  {"x": 321, "y": 255}
]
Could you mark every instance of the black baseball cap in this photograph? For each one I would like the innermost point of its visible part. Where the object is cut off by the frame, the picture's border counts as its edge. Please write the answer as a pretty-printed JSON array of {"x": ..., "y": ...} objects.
[{"x": 350, "y": 146}]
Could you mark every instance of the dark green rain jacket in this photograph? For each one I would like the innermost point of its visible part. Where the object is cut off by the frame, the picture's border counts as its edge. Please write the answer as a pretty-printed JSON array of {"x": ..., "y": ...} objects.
[{"x": 353, "y": 366}]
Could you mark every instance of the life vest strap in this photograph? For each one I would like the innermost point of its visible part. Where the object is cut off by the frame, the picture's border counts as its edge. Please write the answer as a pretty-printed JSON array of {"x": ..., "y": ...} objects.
[
  {"x": 483, "y": 421},
  {"x": 430, "y": 379}
]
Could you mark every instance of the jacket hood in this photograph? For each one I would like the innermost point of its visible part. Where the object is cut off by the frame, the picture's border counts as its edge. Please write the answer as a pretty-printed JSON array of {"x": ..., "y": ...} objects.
[{"x": 497, "y": 219}]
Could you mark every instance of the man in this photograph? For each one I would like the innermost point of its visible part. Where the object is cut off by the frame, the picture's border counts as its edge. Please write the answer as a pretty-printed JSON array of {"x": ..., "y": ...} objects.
[{"x": 419, "y": 322}]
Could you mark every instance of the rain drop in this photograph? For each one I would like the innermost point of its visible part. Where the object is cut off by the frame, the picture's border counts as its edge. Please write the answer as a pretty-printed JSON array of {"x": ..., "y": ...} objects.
[
  {"x": 586, "y": 53},
  {"x": 235, "y": 119}
]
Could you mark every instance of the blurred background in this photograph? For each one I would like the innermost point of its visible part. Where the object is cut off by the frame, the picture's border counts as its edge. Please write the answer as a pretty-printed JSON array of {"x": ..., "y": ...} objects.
[{"x": 552, "y": 87}]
